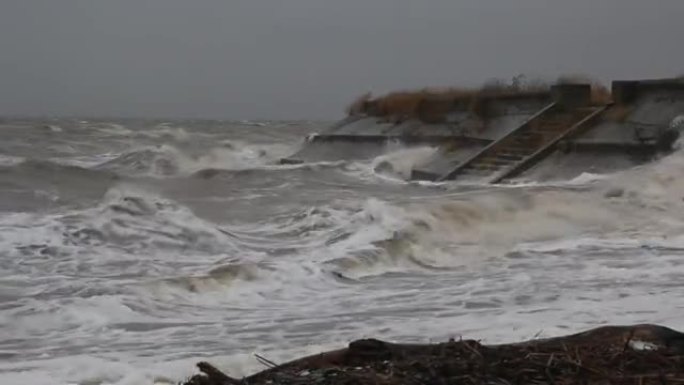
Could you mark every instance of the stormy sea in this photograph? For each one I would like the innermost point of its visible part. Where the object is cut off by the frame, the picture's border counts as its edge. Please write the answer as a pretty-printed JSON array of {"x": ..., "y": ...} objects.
[{"x": 131, "y": 249}]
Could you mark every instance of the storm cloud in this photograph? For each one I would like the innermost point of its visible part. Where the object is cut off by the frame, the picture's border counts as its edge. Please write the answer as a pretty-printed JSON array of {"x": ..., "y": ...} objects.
[{"x": 288, "y": 59}]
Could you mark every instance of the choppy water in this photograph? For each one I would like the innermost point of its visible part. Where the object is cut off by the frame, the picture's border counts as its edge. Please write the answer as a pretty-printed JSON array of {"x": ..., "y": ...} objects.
[{"x": 130, "y": 250}]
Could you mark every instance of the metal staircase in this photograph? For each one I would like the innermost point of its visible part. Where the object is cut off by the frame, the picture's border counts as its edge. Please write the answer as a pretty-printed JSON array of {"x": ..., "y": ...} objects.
[{"x": 523, "y": 146}]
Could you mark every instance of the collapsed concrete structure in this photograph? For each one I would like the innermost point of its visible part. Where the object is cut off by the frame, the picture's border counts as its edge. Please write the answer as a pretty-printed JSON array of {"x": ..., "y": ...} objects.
[{"x": 555, "y": 133}]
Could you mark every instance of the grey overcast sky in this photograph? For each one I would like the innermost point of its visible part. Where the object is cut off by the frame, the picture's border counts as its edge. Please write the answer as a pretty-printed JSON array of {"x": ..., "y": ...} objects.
[{"x": 290, "y": 59}]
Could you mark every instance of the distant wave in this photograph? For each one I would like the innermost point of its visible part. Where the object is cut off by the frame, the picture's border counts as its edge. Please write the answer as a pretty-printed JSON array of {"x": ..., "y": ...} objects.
[
  {"x": 26, "y": 170},
  {"x": 167, "y": 160}
]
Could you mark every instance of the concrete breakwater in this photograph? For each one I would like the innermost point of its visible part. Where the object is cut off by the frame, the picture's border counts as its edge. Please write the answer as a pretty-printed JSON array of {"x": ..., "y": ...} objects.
[{"x": 557, "y": 132}]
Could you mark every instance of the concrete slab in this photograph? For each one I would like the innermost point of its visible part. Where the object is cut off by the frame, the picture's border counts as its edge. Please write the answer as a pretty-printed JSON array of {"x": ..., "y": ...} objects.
[
  {"x": 329, "y": 151},
  {"x": 561, "y": 166},
  {"x": 502, "y": 116},
  {"x": 618, "y": 139},
  {"x": 363, "y": 126},
  {"x": 647, "y": 116}
]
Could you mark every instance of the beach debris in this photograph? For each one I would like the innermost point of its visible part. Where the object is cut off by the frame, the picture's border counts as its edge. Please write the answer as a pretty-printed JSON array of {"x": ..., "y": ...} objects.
[{"x": 641, "y": 354}]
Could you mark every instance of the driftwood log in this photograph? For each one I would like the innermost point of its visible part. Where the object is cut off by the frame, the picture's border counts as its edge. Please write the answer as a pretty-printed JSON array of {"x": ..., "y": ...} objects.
[{"x": 641, "y": 354}]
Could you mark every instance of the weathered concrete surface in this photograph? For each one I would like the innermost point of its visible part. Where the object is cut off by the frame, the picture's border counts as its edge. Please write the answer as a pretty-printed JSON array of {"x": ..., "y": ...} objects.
[
  {"x": 561, "y": 166},
  {"x": 640, "y": 122},
  {"x": 365, "y": 126},
  {"x": 365, "y": 137},
  {"x": 572, "y": 95},
  {"x": 335, "y": 151},
  {"x": 627, "y": 133},
  {"x": 500, "y": 117}
]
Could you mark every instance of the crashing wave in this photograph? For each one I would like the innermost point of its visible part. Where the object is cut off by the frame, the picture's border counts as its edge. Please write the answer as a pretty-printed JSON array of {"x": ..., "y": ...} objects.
[{"x": 167, "y": 160}]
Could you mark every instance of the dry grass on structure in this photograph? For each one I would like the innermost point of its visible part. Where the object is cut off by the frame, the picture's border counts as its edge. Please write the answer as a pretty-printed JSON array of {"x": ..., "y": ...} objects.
[{"x": 433, "y": 104}]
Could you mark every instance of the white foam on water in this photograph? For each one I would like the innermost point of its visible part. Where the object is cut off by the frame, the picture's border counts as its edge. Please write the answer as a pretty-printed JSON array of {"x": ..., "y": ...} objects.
[
  {"x": 168, "y": 160},
  {"x": 89, "y": 370},
  {"x": 54, "y": 128},
  {"x": 253, "y": 123},
  {"x": 138, "y": 288},
  {"x": 394, "y": 166},
  {"x": 114, "y": 129},
  {"x": 8, "y": 160},
  {"x": 586, "y": 177},
  {"x": 166, "y": 131}
]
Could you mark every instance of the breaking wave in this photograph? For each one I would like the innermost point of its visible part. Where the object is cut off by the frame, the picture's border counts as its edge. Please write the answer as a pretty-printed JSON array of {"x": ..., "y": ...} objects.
[
  {"x": 167, "y": 160},
  {"x": 450, "y": 231},
  {"x": 141, "y": 270},
  {"x": 356, "y": 239},
  {"x": 218, "y": 279},
  {"x": 374, "y": 236},
  {"x": 30, "y": 184}
]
